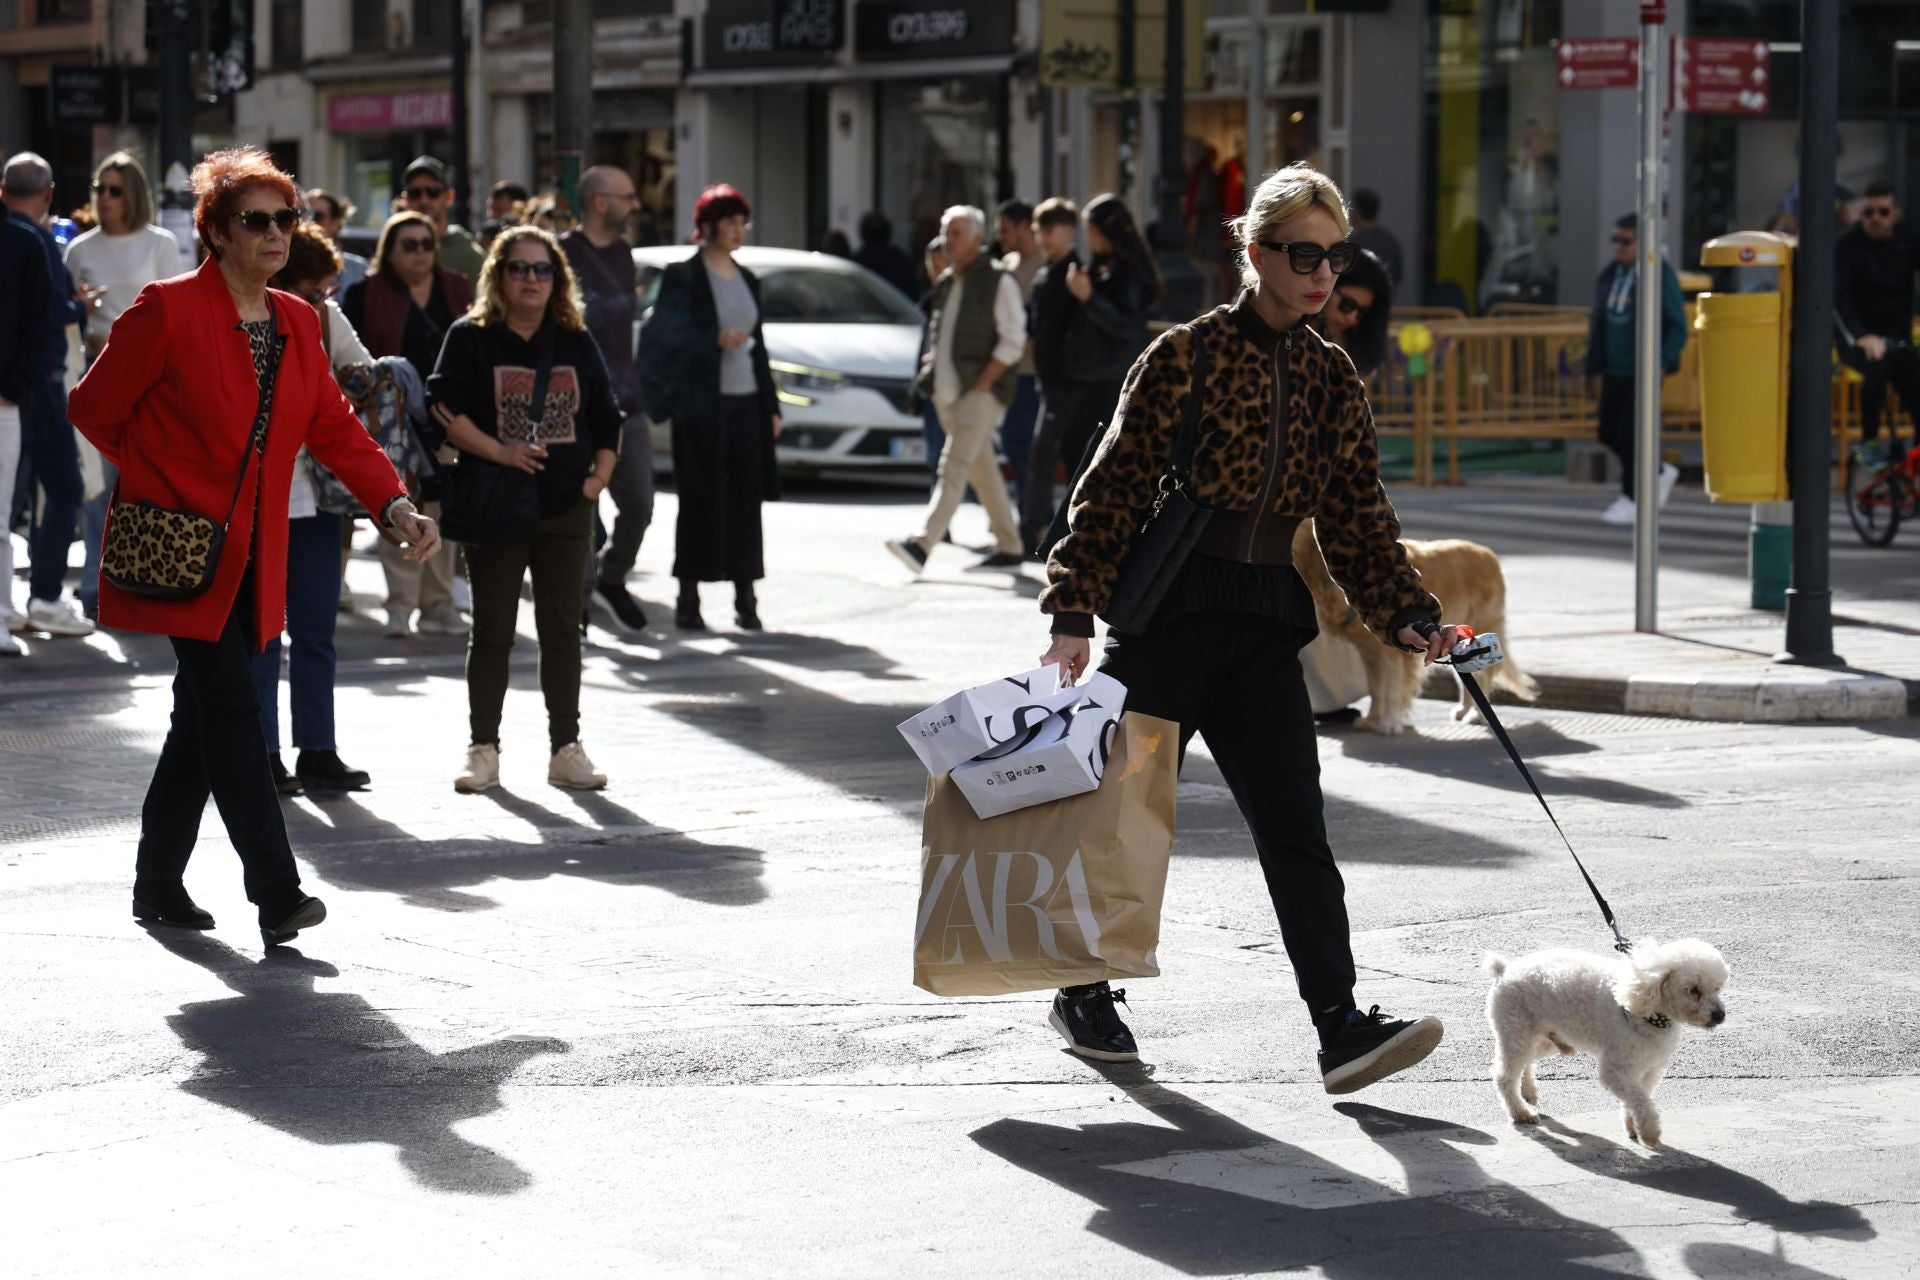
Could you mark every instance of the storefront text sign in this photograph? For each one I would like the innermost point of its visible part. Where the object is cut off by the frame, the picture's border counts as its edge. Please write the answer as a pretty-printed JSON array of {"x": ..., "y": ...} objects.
[
  {"x": 931, "y": 29},
  {"x": 384, "y": 112},
  {"x": 1598, "y": 64},
  {"x": 759, "y": 33},
  {"x": 84, "y": 95},
  {"x": 1723, "y": 77}
]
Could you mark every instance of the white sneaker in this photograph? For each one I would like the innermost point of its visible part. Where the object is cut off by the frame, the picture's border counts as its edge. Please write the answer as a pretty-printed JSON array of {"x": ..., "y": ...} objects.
[
  {"x": 443, "y": 622},
  {"x": 483, "y": 771},
  {"x": 16, "y": 621},
  {"x": 57, "y": 618},
  {"x": 399, "y": 624},
  {"x": 570, "y": 768},
  {"x": 9, "y": 647},
  {"x": 1621, "y": 512},
  {"x": 462, "y": 594},
  {"x": 1669, "y": 477}
]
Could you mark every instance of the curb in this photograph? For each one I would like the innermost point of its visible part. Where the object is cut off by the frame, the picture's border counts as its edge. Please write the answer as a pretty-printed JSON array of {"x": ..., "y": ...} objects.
[{"x": 1772, "y": 699}]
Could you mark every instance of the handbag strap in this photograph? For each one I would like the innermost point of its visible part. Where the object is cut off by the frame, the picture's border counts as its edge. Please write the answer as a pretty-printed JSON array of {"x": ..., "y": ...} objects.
[
  {"x": 1184, "y": 440},
  {"x": 257, "y": 443},
  {"x": 537, "y": 402}
]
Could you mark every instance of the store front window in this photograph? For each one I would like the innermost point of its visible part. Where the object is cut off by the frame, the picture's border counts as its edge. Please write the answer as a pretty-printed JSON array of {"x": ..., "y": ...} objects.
[
  {"x": 942, "y": 143},
  {"x": 1493, "y": 120},
  {"x": 633, "y": 129}
]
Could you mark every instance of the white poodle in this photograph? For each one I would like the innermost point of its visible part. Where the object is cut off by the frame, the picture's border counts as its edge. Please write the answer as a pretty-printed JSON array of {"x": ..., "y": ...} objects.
[{"x": 1625, "y": 1011}]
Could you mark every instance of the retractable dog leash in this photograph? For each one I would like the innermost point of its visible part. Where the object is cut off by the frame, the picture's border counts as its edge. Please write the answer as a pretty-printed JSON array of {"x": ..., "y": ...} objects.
[{"x": 1477, "y": 653}]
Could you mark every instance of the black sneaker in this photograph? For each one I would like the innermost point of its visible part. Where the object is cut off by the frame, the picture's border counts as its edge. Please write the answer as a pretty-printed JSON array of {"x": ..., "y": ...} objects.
[
  {"x": 278, "y": 928},
  {"x": 283, "y": 782},
  {"x": 1085, "y": 1016},
  {"x": 909, "y": 553},
  {"x": 1002, "y": 560},
  {"x": 1370, "y": 1046},
  {"x": 615, "y": 601},
  {"x": 326, "y": 771}
]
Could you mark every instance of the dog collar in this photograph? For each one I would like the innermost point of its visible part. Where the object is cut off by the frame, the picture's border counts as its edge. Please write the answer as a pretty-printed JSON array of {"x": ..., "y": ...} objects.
[{"x": 1658, "y": 1021}]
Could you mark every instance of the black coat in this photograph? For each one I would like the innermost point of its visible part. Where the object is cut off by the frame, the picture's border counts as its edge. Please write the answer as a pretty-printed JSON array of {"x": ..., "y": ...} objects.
[
  {"x": 1109, "y": 331},
  {"x": 679, "y": 361}
]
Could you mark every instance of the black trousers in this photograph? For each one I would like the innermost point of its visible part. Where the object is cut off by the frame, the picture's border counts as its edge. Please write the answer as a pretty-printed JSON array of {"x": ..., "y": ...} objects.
[
  {"x": 1900, "y": 367},
  {"x": 1235, "y": 678},
  {"x": 1071, "y": 413},
  {"x": 1616, "y": 425},
  {"x": 720, "y": 471},
  {"x": 215, "y": 747}
]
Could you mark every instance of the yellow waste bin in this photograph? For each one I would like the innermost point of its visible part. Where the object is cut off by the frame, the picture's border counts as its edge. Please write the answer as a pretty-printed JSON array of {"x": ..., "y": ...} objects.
[{"x": 1743, "y": 373}]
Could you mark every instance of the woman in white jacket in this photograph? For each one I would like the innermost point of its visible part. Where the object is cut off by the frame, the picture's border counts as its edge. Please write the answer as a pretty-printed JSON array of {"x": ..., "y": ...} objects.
[{"x": 124, "y": 253}]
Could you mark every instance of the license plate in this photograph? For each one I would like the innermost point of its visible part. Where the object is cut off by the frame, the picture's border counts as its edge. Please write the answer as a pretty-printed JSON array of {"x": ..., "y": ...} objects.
[{"x": 907, "y": 449}]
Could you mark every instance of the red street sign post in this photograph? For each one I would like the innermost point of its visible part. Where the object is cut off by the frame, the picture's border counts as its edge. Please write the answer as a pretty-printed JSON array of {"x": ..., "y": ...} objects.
[
  {"x": 1597, "y": 64},
  {"x": 1721, "y": 77}
]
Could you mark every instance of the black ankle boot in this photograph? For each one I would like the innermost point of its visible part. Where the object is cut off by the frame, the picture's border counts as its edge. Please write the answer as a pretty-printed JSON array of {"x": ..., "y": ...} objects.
[
  {"x": 326, "y": 771},
  {"x": 686, "y": 613},
  {"x": 745, "y": 615}
]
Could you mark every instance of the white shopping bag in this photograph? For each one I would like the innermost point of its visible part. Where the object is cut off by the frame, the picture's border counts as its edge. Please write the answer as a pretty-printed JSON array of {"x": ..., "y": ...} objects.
[
  {"x": 978, "y": 719},
  {"x": 1063, "y": 755}
]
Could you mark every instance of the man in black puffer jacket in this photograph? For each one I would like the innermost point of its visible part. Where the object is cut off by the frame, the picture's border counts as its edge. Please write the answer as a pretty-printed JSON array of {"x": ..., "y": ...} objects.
[{"x": 1873, "y": 309}]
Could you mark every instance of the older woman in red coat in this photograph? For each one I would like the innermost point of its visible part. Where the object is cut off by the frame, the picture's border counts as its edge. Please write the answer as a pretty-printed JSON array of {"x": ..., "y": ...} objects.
[{"x": 190, "y": 370}]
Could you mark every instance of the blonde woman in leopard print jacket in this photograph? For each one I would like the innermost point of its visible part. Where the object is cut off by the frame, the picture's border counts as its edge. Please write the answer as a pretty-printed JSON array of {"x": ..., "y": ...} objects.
[{"x": 1285, "y": 435}]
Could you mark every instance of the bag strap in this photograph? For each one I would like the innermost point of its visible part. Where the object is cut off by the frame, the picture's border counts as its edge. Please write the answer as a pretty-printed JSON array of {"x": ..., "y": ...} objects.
[
  {"x": 537, "y": 403},
  {"x": 262, "y": 414},
  {"x": 1185, "y": 439}
]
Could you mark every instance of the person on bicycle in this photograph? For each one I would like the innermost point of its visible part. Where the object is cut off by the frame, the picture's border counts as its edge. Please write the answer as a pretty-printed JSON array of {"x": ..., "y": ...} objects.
[{"x": 1874, "y": 264}]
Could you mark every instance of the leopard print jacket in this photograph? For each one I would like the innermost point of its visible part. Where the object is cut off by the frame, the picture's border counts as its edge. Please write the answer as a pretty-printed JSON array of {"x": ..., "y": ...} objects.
[{"x": 1329, "y": 464}]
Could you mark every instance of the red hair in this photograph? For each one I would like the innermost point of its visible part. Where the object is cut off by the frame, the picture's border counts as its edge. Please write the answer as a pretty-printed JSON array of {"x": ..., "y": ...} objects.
[
  {"x": 223, "y": 177},
  {"x": 716, "y": 204}
]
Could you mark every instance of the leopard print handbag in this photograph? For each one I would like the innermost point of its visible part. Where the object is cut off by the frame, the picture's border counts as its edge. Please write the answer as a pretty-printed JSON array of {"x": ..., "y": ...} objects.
[{"x": 162, "y": 554}]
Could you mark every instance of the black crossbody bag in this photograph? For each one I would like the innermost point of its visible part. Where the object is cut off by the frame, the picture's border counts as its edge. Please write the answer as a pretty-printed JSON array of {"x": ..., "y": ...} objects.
[
  {"x": 1161, "y": 548},
  {"x": 159, "y": 553},
  {"x": 485, "y": 502}
]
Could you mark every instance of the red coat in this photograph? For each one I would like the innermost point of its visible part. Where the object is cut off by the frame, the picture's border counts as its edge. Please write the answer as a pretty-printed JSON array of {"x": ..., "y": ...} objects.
[{"x": 171, "y": 402}]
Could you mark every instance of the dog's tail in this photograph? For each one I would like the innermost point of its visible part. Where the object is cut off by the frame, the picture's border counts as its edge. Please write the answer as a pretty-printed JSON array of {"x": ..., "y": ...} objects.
[{"x": 1494, "y": 963}]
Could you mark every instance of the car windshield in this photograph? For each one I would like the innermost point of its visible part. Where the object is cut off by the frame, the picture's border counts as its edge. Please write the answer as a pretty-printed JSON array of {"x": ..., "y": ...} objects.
[{"x": 808, "y": 295}]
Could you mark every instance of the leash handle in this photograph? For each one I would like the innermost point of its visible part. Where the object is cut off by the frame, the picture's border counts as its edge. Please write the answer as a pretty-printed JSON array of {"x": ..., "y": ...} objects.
[{"x": 1620, "y": 941}]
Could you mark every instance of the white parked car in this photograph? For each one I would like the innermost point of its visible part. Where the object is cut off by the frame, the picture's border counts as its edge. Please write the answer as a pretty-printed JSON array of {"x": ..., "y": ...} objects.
[{"x": 843, "y": 344}]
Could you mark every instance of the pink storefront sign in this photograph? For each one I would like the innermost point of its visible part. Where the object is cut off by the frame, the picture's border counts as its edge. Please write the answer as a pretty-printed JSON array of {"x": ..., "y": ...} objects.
[{"x": 386, "y": 112}]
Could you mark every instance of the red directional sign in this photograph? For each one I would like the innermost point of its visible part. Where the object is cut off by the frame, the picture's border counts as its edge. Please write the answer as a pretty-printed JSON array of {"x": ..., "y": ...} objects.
[
  {"x": 1598, "y": 64},
  {"x": 1725, "y": 77}
]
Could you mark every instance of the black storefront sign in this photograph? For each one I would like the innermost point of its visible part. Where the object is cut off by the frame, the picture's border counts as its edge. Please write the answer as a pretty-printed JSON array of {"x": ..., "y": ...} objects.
[
  {"x": 143, "y": 95},
  {"x": 931, "y": 29},
  {"x": 84, "y": 95},
  {"x": 763, "y": 33}
]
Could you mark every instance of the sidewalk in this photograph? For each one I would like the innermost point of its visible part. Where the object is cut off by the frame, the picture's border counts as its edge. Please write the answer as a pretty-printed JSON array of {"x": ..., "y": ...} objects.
[{"x": 1570, "y": 613}]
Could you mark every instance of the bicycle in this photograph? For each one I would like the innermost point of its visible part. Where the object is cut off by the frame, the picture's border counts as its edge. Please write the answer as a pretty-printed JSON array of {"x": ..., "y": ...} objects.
[{"x": 1881, "y": 492}]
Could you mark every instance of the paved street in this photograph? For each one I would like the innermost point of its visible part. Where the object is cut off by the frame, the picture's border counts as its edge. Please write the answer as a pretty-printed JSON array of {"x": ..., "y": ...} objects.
[{"x": 669, "y": 1029}]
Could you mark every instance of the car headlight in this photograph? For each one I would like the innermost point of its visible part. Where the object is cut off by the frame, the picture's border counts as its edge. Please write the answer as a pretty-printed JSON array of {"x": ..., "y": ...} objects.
[{"x": 794, "y": 382}]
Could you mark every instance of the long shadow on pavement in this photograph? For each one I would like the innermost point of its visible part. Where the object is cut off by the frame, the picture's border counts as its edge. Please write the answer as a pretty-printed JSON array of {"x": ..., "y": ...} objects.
[
  {"x": 1211, "y": 1196},
  {"x": 1680, "y": 1173},
  {"x": 330, "y": 1069},
  {"x": 361, "y": 850},
  {"x": 1483, "y": 762}
]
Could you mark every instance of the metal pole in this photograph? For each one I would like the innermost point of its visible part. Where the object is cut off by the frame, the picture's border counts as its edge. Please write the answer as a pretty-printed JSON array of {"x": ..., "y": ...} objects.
[
  {"x": 1130, "y": 104},
  {"x": 463, "y": 202},
  {"x": 1646, "y": 297},
  {"x": 1810, "y": 421},
  {"x": 572, "y": 91},
  {"x": 1176, "y": 269}
]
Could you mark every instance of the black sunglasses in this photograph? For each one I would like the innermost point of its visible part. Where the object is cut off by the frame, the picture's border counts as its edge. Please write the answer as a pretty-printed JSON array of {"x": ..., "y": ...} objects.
[
  {"x": 425, "y": 193},
  {"x": 520, "y": 269},
  {"x": 1307, "y": 257},
  {"x": 113, "y": 189},
  {"x": 414, "y": 244},
  {"x": 1348, "y": 307},
  {"x": 257, "y": 221}
]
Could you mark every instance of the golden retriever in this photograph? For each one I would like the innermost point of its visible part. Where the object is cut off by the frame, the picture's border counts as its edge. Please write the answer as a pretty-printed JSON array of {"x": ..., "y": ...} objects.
[{"x": 1464, "y": 575}]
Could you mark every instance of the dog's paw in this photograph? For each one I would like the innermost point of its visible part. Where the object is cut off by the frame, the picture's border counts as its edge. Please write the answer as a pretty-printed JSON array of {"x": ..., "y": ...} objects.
[
  {"x": 1650, "y": 1136},
  {"x": 1530, "y": 1091},
  {"x": 1468, "y": 715},
  {"x": 1526, "y": 1116}
]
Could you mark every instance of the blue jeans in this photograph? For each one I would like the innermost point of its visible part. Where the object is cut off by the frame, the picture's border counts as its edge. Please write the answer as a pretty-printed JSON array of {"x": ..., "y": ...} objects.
[
  {"x": 313, "y": 605},
  {"x": 93, "y": 526},
  {"x": 1016, "y": 429},
  {"x": 49, "y": 446}
]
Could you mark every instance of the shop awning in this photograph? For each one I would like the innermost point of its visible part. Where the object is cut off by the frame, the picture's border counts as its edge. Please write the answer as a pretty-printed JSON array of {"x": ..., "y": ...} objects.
[{"x": 839, "y": 73}]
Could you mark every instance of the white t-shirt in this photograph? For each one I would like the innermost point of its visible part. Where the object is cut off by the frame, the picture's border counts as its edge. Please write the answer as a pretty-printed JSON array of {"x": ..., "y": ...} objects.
[
  {"x": 346, "y": 348},
  {"x": 125, "y": 264}
]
